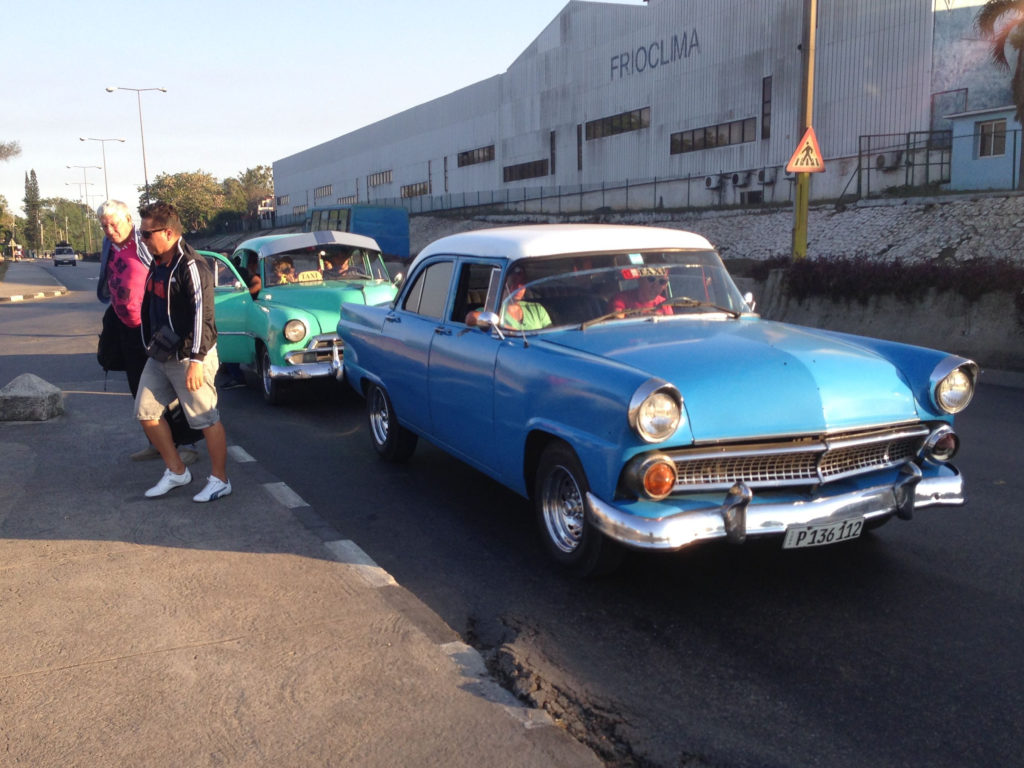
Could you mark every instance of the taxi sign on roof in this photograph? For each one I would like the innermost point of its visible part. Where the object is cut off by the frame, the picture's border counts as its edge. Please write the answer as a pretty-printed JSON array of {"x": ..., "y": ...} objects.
[{"x": 807, "y": 158}]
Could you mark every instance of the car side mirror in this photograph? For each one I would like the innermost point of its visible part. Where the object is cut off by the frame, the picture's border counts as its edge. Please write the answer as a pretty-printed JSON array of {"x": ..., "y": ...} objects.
[
  {"x": 749, "y": 298},
  {"x": 489, "y": 321}
]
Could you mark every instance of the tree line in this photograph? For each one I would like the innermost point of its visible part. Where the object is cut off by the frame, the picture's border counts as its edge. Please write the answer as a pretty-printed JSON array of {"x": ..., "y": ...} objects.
[{"x": 203, "y": 202}]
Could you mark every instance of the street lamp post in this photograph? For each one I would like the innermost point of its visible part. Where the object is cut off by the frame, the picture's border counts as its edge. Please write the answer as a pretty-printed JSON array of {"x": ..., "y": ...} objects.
[
  {"x": 142, "y": 133},
  {"x": 83, "y": 191},
  {"x": 103, "y": 147}
]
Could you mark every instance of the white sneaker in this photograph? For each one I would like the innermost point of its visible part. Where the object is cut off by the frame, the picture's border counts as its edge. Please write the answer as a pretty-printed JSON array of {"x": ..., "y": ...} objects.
[
  {"x": 215, "y": 488},
  {"x": 168, "y": 482}
]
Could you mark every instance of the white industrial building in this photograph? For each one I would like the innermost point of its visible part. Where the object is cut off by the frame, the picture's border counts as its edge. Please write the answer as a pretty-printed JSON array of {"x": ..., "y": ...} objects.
[{"x": 677, "y": 103}]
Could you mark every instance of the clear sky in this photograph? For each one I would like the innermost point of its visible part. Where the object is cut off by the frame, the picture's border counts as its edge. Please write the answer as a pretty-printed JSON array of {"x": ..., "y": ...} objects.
[{"x": 248, "y": 82}]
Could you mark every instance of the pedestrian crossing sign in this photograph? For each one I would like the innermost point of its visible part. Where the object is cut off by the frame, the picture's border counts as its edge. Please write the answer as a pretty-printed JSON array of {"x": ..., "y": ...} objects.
[{"x": 807, "y": 158}]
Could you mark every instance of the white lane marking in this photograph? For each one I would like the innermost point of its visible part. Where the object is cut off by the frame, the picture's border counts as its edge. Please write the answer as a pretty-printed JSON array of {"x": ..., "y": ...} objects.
[
  {"x": 285, "y": 495},
  {"x": 239, "y": 454},
  {"x": 348, "y": 552}
]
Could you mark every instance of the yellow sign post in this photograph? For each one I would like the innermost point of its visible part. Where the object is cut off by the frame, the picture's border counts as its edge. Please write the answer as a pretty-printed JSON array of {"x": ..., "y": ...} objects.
[{"x": 807, "y": 158}]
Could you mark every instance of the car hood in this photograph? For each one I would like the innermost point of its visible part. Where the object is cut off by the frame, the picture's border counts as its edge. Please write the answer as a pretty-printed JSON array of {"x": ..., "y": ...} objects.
[
  {"x": 750, "y": 377},
  {"x": 324, "y": 300}
]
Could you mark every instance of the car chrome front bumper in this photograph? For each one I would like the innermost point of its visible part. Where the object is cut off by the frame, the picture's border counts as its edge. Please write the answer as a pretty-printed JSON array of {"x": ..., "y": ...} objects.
[
  {"x": 740, "y": 515},
  {"x": 297, "y": 370}
]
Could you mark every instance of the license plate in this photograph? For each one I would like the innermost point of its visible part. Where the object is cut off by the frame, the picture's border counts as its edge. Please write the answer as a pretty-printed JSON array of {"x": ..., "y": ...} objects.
[{"x": 820, "y": 534}]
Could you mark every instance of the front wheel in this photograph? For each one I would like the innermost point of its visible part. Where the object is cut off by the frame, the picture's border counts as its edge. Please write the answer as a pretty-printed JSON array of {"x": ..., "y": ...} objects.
[
  {"x": 391, "y": 440},
  {"x": 273, "y": 391},
  {"x": 559, "y": 498}
]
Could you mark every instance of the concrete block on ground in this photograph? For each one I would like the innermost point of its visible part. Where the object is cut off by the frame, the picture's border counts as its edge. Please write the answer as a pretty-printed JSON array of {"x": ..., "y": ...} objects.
[{"x": 30, "y": 398}]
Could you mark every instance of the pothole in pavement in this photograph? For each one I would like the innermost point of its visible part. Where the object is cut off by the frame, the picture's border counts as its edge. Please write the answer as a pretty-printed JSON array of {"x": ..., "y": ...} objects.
[{"x": 597, "y": 726}]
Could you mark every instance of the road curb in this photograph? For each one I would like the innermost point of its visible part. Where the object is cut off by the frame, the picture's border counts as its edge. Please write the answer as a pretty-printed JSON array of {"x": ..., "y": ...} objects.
[{"x": 37, "y": 295}]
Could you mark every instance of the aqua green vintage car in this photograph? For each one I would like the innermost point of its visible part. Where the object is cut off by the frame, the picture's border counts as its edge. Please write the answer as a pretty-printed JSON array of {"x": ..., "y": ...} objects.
[{"x": 278, "y": 299}]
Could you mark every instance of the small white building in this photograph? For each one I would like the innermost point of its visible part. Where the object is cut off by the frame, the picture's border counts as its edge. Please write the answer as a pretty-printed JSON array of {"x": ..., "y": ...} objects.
[{"x": 677, "y": 103}]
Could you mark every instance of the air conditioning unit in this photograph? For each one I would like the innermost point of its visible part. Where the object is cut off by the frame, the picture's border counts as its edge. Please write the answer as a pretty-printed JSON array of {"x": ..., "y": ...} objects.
[
  {"x": 712, "y": 182},
  {"x": 790, "y": 176},
  {"x": 741, "y": 179},
  {"x": 889, "y": 161},
  {"x": 766, "y": 176}
]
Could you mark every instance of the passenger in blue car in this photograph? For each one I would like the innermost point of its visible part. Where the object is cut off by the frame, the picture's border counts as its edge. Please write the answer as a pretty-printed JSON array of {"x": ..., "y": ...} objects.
[{"x": 648, "y": 294}]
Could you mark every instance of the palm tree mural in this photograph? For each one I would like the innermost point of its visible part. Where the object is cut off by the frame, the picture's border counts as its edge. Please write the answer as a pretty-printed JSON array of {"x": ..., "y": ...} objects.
[{"x": 1002, "y": 23}]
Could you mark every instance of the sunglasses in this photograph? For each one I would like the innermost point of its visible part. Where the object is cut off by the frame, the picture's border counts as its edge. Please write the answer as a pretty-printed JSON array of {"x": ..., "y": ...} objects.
[
  {"x": 148, "y": 233},
  {"x": 658, "y": 280}
]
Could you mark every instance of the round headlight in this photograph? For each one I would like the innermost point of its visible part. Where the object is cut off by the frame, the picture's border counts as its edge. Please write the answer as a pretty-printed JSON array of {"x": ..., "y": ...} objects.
[
  {"x": 295, "y": 330},
  {"x": 658, "y": 416},
  {"x": 954, "y": 391}
]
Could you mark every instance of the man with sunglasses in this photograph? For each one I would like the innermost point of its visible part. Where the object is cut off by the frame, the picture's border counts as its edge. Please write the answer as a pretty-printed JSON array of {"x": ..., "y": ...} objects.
[
  {"x": 648, "y": 294},
  {"x": 124, "y": 264},
  {"x": 178, "y": 307}
]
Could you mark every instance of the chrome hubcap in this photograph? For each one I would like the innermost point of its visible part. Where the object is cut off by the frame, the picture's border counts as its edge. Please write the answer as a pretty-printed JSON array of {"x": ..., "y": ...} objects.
[
  {"x": 379, "y": 418},
  {"x": 563, "y": 508}
]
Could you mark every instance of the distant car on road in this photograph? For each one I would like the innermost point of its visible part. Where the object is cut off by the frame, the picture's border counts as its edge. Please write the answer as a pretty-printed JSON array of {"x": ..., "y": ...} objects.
[
  {"x": 64, "y": 254},
  {"x": 288, "y": 332},
  {"x": 616, "y": 377}
]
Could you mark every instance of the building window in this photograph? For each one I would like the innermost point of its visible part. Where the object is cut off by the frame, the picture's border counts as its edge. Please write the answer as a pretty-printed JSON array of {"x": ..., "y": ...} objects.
[
  {"x": 710, "y": 136},
  {"x": 478, "y": 155},
  {"x": 766, "y": 108},
  {"x": 992, "y": 134},
  {"x": 552, "y": 153},
  {"x": 325, "y": 191},
  {"x": 283, "y": 200},
  {"x": 623, "y": 122},
  {"x": 298, "y": 210},
  {"x": 417, "y": 189},
  {"x": 349, "y": 200},
  {"x": 378, "y": 179},
  {"x": 526, "y": 170},
  {"x": 579, "y": 147},
  {"x": 446, "y": 174}
]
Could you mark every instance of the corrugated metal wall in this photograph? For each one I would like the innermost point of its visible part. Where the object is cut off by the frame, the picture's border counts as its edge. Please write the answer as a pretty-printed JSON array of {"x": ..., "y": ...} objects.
[{"x": 694, "y": 63}]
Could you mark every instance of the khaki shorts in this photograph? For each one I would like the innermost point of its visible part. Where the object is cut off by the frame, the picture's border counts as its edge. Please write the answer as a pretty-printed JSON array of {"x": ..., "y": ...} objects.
[{"x": 162, "y": 383}]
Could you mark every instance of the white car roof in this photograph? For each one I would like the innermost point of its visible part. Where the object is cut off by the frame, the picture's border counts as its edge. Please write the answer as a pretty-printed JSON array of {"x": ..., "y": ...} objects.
[
  {"x": 539, "y": 240},
  {"x": 269, "y": 245}
]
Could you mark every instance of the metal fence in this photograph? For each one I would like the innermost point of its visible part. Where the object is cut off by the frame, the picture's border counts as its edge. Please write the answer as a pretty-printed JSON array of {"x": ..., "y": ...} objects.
[{"x": 885, "y": 165}]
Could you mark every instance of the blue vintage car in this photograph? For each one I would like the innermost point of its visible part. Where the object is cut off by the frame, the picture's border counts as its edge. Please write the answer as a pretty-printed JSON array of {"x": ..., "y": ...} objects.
[
  {"x": 616, "y": 377},
  {"x": 278, "y": 299}
]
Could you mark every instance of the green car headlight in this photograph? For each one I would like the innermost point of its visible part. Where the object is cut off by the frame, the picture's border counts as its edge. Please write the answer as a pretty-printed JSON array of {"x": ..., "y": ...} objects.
[{"x": 295, "y": 330}]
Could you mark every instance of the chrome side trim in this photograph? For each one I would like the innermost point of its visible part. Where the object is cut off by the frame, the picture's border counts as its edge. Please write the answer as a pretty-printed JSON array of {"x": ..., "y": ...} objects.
[{"x": 679, "y": 528}]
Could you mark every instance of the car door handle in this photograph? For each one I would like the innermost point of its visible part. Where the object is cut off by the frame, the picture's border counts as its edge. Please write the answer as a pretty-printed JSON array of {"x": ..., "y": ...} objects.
[{"x": 442, "y": 331}]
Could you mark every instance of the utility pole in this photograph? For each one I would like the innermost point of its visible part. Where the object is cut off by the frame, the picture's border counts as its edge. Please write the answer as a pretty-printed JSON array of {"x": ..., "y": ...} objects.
[{"x": 803, "y": 180}]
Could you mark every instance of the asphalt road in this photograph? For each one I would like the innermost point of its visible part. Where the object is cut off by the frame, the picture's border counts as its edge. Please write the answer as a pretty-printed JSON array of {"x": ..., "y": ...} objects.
[{"x": 899, "y": 649}]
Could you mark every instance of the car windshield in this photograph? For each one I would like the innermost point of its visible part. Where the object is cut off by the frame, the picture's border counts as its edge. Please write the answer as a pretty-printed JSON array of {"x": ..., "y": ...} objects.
[
  {"x": 324, "y": 263},
  {"x": 583, "y": 290}
]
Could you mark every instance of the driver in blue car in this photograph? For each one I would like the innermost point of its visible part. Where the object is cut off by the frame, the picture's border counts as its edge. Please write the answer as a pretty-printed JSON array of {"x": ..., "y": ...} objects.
[{"x": 518, "y": 314}]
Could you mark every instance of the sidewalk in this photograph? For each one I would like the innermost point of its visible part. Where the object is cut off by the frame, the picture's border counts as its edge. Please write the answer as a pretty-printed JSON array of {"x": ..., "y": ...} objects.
[
  {"x": 243, "y": 632},
  {"x": 28, "y": 280}
]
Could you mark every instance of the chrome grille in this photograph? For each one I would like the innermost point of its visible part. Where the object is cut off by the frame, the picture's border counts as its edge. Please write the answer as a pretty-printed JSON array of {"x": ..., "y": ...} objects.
[
  {"x": 796, "y": 462},
  {"x": 321, "y": 348}
]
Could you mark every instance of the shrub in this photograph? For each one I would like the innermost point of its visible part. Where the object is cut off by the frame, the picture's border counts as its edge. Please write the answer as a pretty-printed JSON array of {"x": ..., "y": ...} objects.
[{"x": 858, "y": 278}]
